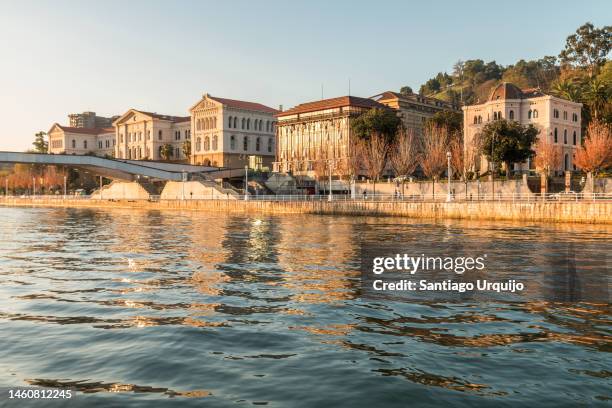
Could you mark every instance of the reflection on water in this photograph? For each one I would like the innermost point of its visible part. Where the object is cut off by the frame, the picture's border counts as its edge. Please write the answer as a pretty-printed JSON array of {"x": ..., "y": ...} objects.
[{"x": 152, "y": 307}]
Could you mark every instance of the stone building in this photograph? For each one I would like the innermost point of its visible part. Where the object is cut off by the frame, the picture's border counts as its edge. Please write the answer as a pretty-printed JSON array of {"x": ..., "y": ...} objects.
[
  {"x": 315, "y": 132},
  {"x": 90, "y": 120},
  {"x": 142, "y": 135},
  {"x": 413, "y": 109},
  {"x": 557, "y": 119},
  {"x": 232, "y": 133},
  {"x": 78, "y": 140}
]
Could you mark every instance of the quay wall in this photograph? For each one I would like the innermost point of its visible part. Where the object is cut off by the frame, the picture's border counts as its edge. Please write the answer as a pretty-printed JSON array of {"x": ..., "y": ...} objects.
[{"x": 599, "y": 212}]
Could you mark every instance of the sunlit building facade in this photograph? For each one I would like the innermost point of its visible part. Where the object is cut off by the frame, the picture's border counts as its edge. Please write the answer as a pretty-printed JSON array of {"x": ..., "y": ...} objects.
[{"x": 80, "y": 141}]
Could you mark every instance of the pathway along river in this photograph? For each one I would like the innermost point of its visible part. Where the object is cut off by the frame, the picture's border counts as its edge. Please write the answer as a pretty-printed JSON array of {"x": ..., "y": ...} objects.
[{"x": 171, "y": 308}]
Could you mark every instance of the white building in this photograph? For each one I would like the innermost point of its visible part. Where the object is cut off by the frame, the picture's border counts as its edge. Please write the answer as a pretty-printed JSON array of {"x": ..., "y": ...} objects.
[
  {"x": 557, "y": 119},
  {"x": 232, "y": 133},
  {"x": 76, "y": 140}
]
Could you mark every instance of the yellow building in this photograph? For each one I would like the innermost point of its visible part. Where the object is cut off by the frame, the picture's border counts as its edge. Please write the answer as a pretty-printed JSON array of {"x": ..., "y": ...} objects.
[
  {"x": 142, "y": 135},
  {"x": 232, "y": 133},
  {"x": 413, "y": 109},
  {"x": 557, "y": 119}
]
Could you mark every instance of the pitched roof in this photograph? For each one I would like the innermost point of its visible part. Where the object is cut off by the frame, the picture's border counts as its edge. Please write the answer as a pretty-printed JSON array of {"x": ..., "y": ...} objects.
[
  {"x": 506, "y": 90},
  {"x": 332, "y": 103},
  {"x": 412, "y": 97},
  {"x": 233, "y": 103},
  {"x": 171, "y": 118},
  {"x": 84, "y": 131}
]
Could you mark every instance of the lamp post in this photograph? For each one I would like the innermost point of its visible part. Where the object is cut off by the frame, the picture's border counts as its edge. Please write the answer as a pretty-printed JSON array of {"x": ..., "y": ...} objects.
[
  {"x": 448, "y": 171},
  {"x": 65, "y": 186},
  {"x": 246, "y": 182},
  {"x": 492, "y": 169},
  {"x": 183, "y": 178},
  {"x": 33, "y": 186},
  {"x": 329, "y": 197}
]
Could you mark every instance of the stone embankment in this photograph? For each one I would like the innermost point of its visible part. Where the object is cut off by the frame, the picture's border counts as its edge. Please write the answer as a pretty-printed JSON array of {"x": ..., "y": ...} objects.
[{"x": 582, "y": 211}]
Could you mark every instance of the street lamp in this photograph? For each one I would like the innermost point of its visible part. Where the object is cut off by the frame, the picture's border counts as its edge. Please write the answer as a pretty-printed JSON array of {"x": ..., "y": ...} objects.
[
  {"x": 246, "y": 182},
  {"x": 329, "y": 197},
  {"x": 448, "y": 160}
]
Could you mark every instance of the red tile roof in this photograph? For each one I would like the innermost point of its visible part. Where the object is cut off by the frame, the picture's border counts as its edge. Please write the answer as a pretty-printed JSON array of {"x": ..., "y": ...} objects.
[
  {"x": 166, "y": 117},
  {"x": 253, "y": 106},
  {"x": 85, "y": 131},
  {"x": 332, "y": 103}
]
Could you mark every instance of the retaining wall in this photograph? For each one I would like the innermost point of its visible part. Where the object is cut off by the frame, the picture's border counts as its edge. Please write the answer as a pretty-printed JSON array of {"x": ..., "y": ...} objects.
[{"x": 564, "y": 211}]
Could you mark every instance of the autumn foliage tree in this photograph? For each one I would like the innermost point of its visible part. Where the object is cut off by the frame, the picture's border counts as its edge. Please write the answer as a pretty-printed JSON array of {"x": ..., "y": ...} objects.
[
  {"x": 548, "y": 157},
  {"x": 463, "y": 157},
  {"x": 433, "y": 153},
  {"x": 596, "y": 152}
]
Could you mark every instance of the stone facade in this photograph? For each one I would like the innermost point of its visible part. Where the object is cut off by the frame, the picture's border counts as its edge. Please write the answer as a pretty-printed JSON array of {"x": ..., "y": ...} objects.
[
  {"x": 141, "y": 135},
  {"x": 231, "y": 133},
  {"x": 318, "y": 132},
  {"x": 413, "y": 109},
  {"x": 71, "y": 140},
  {"x": 557, "y": 119}
]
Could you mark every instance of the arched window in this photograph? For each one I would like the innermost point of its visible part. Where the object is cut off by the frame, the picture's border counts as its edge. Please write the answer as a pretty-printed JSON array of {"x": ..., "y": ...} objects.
[
  {"x": 267, "y": 125},
  {"x": 566, "y": 162},
  {"x": 535, "y": 113},
  {"x": 243, "y": 123},
  {"x": 494, "y": 115},
  {"x": 206, "y": 123},
  {"x": 84, "y": 144},
  {"x": 260, "y": 125},
  {"x": 574, "y": 138},
  {"x": 245, "y": 143},
  {"x": 206, "y": 143},
  {"x": 475, "y": 119},
  {"x": 214, "y": 122},
  {"x": 479, "y": 119},
  {"x": 229, "y": 125},
  {"x": 565, "y": 136},
  {"x": 564, "y": 115},
  {"x": 198, "y": 124},
  {"x": 73, "y": 144},
  {"x": 159, "y": 135},
  {"x": 555, "y": 134},
  {"x": 248, "y": 123},
  {"x": 556, "y": 113},
  {"x": 270, "y": 145},
  {"x": 215, "y": 142},
  {"x": 235, "y": 122},
  {"x": 233, "y": 142},
  {"x": 198, "y": 144},
  {"x": 257, "y": 144},
  {"x": 511, "y": 115},
  {"x": 529, "y": 114}
]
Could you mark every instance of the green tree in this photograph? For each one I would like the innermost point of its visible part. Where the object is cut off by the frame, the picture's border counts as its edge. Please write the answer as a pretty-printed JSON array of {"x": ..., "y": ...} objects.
[
  {"x": 507, "y": 142},
  {"x": 166, "y": 151},
  {"x": 587, "y": 48},
  {"x": 567, "y": 89},
  {"x": 406, "y": 90},
  {"x": 40, "y": 144},
  {"x": 187, "y": 148},
  {"x": 379, "y": 121},
  {"x": 597, "y": 96},
  {"x": 451, "y": 121}
]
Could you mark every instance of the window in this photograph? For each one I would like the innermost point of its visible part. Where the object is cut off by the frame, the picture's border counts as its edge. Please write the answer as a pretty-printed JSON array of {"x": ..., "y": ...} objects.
[
  {"x": 233, "y": 142},
  {"x": 198, "y": 144},
  {"x": 529, "y": 114},
  {"x": 511, "y": 115},
  {"x": 148, "y": 135},
  {"x": 556, "y": 113},
  {"x": 249, "y": 124},
  {"x": 214, "y": 123},
  {"x": 245, "y": 143},
  {"x": 235, "y": 122},
  {"x": 121, "y": 138},
  {"x": 267, "y": 125},
  {"x": 215, "y": 142},
  {"x": 535, "y": 113},
  {"x": 159, "y": 151},
  {"x": 257, "y": 144},
  {"x": 566, "y": 162},
  {"x": 243, "y": 123},
  {"x": 475, "y": 119},
  {"x": 574, "y": 117},
  {"x": 159, "y": 135},
  {"x": 99, "y": 144},
  {"x": 564, "y": 115},
  {"x": 556, "y": 139},
  {"x": 260, "y": 125},
  {"x": 84, "y": 144},
  {"x": 270, "y": 145},
  {"x": 206, "y": 143},
  {"x": 565, "y": 136},
  {"x": 198, "y": 125},
  {"x": 139, "y": 136},
  {"x": 177, "y": 152},
  {"x": 574, "y": 138},
  {"x": 494, "y": 115},
  {"x": 230, "y": 121},
  {"x": 479, "y": 119}
]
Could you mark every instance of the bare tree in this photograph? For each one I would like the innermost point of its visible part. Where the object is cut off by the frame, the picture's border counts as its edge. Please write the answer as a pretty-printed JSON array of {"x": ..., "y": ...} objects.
[
  {"x": 433, "y": 157},
  {"x": 548, "y": 156},
  {"x": 463, "y": 157},
  {"x": 404, "y": 154},
  {"x": 374, "y": 154}
]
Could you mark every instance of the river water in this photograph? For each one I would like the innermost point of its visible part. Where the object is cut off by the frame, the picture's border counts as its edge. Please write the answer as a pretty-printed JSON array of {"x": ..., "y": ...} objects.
[{"x": 162, "y": 308}]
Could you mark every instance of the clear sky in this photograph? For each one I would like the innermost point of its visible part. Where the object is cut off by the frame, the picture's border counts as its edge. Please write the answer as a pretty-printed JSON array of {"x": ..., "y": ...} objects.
[{"x": 107, "y": 56}]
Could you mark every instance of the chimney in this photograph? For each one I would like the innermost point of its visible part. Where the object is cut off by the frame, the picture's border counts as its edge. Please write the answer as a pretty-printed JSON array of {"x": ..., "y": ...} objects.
[{"x": 280, "y": 108}]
